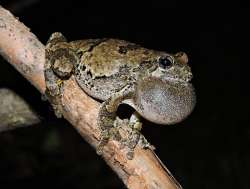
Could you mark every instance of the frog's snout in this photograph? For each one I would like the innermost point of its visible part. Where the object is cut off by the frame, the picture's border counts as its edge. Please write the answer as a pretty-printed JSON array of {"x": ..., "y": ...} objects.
[{"x": 182, "y": 73}]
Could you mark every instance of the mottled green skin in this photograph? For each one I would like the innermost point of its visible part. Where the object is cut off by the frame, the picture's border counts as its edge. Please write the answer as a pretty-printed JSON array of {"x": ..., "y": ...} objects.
[{"x": 156, "y": 84}]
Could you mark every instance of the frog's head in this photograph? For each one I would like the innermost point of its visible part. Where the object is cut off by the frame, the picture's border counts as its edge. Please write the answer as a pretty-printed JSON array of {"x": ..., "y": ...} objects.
[
  {"x": 173, "y": 67},
  {"x": 166, "y": 96}
]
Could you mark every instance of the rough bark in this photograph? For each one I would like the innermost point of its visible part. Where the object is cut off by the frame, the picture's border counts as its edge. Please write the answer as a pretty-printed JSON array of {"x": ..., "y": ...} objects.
[{"x": 23, "y": 50}]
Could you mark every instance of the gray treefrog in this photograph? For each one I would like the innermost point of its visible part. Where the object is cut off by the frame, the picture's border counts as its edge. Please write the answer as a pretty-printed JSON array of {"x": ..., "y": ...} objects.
[{"x": 156, "y": 84}]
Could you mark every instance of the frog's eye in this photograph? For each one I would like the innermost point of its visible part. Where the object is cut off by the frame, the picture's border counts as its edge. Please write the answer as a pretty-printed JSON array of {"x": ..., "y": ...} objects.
[{"x": 165, "y": 62}]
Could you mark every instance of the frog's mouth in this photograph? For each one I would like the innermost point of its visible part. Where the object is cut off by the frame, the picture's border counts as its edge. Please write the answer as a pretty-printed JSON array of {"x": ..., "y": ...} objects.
[
  {"x": 173, "y": 75},
  {"x": 183, "y": 78}
]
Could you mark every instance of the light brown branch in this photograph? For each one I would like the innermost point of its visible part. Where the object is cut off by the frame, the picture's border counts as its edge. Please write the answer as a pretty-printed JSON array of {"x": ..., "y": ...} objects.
[{"x": 23, "y": 50}]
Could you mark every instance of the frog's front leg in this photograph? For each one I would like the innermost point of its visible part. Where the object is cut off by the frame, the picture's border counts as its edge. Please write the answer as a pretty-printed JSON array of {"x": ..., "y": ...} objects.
[
  {"x": 107, "y": 116},
  {"x": 59, "y": 65}
]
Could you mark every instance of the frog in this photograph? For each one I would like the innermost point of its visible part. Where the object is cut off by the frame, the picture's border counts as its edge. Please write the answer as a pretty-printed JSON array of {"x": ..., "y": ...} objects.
[{"x": 156, "y": 84}]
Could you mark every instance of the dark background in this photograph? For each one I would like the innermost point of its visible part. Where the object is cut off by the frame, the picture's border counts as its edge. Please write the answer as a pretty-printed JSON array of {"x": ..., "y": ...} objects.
[{"x": 210, "y": 149}]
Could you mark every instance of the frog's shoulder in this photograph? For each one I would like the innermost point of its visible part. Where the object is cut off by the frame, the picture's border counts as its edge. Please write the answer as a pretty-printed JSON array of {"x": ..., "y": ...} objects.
[{"x": 105, "y": 57}]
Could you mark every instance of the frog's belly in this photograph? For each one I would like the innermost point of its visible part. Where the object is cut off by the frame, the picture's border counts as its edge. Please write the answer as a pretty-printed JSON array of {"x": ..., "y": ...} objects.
[{"x": 102, "y": 87}]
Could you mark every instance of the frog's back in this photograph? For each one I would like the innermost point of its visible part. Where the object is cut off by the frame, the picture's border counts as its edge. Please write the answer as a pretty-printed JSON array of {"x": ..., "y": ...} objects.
[
  {"x": 107, "y": 65},
  {"x": 104, "y": 57}
]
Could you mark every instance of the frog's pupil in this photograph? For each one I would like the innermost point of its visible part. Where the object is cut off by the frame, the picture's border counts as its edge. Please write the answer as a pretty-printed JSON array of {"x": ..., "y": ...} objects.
[{"x": 165, "y": 62}]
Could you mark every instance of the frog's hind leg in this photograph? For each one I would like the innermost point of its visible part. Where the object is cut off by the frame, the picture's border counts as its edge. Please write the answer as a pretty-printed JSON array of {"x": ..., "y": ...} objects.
[
  {"x": 107, "y": 116},
  {"x": 54, "y": 39},
  {"x": 53, "y": 82},
  {"x": 53, "y": 91},
  {"x": 58, "y": 67}
]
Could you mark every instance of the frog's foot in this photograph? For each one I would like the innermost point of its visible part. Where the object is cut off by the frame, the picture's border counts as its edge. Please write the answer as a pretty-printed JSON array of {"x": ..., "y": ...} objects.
[
  {"x": 130, "y": 132},
  {"x": 134, "y": 134},
  {"x": 134, "y": 137},
  {"x": 54, "y": 91},
  {"x": 132, "y": 142},
  {"x": 106, "y": 135},
  {"x": 56, "y": 102}
]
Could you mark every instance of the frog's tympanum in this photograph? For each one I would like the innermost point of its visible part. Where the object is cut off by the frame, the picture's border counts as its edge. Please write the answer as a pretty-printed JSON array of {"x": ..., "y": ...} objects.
[{"x": 156, "y": 84}]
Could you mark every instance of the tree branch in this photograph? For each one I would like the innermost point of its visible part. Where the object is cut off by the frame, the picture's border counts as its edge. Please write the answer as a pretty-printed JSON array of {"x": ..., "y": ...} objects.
[
  {"x": 15, "y": 112},
  {"x": 24, "y": 51}
]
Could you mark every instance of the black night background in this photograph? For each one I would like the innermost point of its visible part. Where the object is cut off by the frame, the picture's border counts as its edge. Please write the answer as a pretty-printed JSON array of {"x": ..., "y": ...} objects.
[{"x": 210, "y": 149}]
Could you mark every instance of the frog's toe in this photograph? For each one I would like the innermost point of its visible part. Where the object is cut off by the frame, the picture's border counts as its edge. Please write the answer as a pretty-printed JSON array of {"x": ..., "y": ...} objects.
[
  {"x": 99, "y": 149},
  {"x": 136, "y": 125},
  {"x": 131, "y": 142},
  {"x": 135, "y": 121},
  {"x": 115, "y": 134},
  {"x": 103, "y": 141},
  {"x": 58, "y": 111},
  {"x": 130, "y": 154},
  {"x": 112, "y": 133}
]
